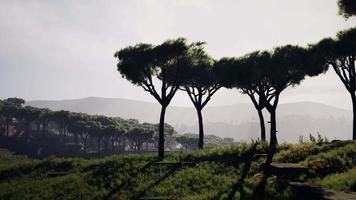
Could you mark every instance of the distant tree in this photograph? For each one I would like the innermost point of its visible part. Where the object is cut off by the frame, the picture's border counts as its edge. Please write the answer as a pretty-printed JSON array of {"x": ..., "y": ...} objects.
[
  {"x": 213, "y": 141},
  {"x": 138, "y": 136},
  {"x": 97, "y": 131},
  {"x": 188, "y": 141},
  {"x": 62, "y": 118},
  {"x": 347, "y": 8},
  {"x": 144, "y": 63},
  {"x": 169, "y": 134},
  {"x": 18, "y": 102},
  {"x": 200, "y": 82},
  {"x": 340, "y": 54},
  {"x": 85, "y": 128},
  {"x": 27, "y": 115},
  {"x": 116, "y": 133},
  {"x": 2, "y": 119},
  {"x": 44, "y": 119},
  {"x": 10, "y": 107},
  {"x": 8, "y": 113}
]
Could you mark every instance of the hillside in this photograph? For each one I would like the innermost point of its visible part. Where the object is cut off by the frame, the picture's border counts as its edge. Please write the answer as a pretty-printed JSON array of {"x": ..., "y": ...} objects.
[
  {"x": 238, "y": 121},
  {"x": 218, "y": 173}
]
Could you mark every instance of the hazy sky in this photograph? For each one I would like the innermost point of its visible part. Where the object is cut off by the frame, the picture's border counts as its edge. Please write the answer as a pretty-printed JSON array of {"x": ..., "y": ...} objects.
[{"x": 64, "y": 49}]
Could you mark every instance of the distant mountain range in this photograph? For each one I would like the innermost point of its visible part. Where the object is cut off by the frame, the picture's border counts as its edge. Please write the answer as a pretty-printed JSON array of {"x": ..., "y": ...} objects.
[{"x": 239, "y": 121}]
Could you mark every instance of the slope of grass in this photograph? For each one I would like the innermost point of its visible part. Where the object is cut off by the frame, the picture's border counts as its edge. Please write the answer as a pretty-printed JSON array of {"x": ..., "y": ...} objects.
[
  {"x": 345, "y": 181},
  {"x": 216, "y": 173},
  {"x": 8, "y": 159}
]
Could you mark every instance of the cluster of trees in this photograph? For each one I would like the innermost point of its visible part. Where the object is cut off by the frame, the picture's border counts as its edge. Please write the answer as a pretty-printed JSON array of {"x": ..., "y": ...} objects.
[
  {"x": 111, "y": 134},
  {"x": 175, "y": 65},
  {"x": 189, "y": 141},
  {"x": 86, "y": 132}
]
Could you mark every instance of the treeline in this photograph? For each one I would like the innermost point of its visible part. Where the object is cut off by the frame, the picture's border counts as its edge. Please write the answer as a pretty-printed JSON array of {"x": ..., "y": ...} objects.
[
  {"x": 85, "y": 133},
  {"x": 162, "y": 70}
]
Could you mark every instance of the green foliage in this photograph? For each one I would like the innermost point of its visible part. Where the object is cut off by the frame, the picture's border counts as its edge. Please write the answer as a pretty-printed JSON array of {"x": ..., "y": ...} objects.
[
  {"x": 347, "y": 8},
  {"x": 336, "y": 160},
  {"x": 340, "y": 181},
  {"x": 213, "y": 173},
  {"x": 10, "y": 160},
  {"x": 296, "y": 152},
  {"x": 299, "y": 152},
  {"x": 67, "y": 187}
]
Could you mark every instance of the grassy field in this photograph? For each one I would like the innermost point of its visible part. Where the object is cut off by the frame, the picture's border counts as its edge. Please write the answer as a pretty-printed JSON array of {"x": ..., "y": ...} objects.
[{"x": 219, "y": 173}]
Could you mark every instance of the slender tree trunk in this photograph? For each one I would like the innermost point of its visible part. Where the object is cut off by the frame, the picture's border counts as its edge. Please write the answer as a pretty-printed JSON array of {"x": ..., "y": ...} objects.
[
  {"x": 273, "y": 141},
  {"x": 43, "y": 130},
  {"x": 7, "y": 129},
  {"x": 201, "y": 129},
  {"x": 262, "y": 124},
  {"x": 353, "y": 97},
  {"x": 112, "y": 146},
  {"x": 27, "y": 130},
  {"x": 85, "y": 139},
  {"x": 123, "y": 145},
  {"x": 138, "y": 147},
  {"x": 161, "y": 133},
  {"x": 99, "y": 142},
  {"x": 75, "y": 138}
]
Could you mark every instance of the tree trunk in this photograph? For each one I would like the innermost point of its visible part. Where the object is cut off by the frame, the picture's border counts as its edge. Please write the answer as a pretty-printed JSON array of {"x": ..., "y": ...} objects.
[
  {"x": 7, "y": 129},
  {"x": 273, "y": 141},
  {"x": 123, "y": 145},
  {"x": 85, "y": 139},
  {"x": 201, "y": 129},
  {"x": 27, "y": 130},
  {"x": 138, "y": 147},
  {"x": 76, "y": 138},
  {"x": 262, "y": 125},
  {"x": 43, "y": 130},
  {"x": 99, "y": 142},
  {"x": 353, "y": 97},
  {"x": 161, "y": 133},
  {"x": 113, "y": 146}
]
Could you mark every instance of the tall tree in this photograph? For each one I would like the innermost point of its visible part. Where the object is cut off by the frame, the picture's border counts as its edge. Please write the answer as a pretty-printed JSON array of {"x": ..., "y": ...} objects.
[
  {"x": 347, "y": 8},
  {"x": 44, "y": 119},
  {"x": 8, "y": 112},
  {"x": 287, "y": 66},
  {"x": 242, "y": 73},
  {"x": 62, "y": 118},
  {"x": 27, "y": 115},
  {"x": 138, "y": 136},
  {"x": 340, "y": 54},
  {"x": 142, "y": 64},
  {"x": 200, "y": 82}
]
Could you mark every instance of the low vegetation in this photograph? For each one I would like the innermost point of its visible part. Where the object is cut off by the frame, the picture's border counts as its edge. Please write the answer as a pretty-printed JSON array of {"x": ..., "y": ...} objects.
[{"x": 231, "y": 172}]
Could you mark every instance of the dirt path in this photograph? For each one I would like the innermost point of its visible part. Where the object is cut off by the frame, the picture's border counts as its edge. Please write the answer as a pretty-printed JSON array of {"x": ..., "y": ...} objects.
[{"x": 341, "y": 196}]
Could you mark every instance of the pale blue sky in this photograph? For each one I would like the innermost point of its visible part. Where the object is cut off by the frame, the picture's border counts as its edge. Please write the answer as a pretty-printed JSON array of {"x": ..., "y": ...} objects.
[{"x": 64, "y": 49}]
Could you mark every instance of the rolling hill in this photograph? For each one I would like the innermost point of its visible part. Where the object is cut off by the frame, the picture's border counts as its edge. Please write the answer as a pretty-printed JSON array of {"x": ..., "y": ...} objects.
[{"x": 238, "y": 121}]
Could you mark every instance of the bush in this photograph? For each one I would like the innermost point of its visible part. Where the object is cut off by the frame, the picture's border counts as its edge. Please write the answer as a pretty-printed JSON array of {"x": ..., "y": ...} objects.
[
  {"x": 341, "y": 181},
  {"x": 333, "y": 161}
]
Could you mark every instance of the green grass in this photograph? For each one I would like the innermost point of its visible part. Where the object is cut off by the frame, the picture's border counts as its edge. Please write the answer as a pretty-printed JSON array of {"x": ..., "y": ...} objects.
[
  {"x": 345, "y": 181},
  {"x": 214, "y": 173},
  {"x": 8, "y": 159}
]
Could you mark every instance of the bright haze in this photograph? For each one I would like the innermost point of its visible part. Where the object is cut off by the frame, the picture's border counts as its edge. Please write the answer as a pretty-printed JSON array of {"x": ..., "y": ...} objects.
[{"x": 64, "y": 49}]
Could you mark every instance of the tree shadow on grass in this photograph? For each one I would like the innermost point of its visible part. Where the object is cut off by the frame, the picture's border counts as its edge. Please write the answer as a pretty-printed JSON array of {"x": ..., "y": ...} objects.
[
  {"x": 131, "y": 177},
  {"x": 298, "y": 190},
  {"x": 230, "y": 159},
  {"x": 239, "y": 184}
]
